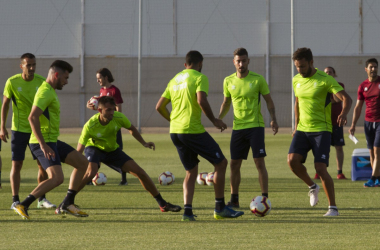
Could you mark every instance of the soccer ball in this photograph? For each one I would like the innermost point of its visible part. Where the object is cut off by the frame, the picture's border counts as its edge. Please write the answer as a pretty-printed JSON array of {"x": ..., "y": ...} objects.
[
  {"x": 210, "y": 179},
  {"x": 201, "y": 178},
  {"x": 166, "y": 178},
  {"x": 99, "y": 179},
  {"x": 94, "y": 100},
  {"x": 260, "y": 206}
]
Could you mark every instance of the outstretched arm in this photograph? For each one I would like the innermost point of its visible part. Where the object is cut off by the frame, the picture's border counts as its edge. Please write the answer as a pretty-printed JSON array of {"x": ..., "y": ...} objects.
[
  {"x": 225, "y": 107},
  {"x": 162, "y": 109},
  {"x": 205, "y": 106},
  {"x": 135, "y": 133},
  {"x": 271, "y": 109}
]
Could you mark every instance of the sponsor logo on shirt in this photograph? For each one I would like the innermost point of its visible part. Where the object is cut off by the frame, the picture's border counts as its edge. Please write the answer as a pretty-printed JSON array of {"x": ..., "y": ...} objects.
[
  {"x": 180, "y": 86},
  {"x": 182, "y": 77},
  {"x": 315, "y": 84},
  {"x": 99, "y": 135},
  {"x": 19, "y": 89},
  {"x": 298, "y": 85},
  {"x": 250, "y": 85}
]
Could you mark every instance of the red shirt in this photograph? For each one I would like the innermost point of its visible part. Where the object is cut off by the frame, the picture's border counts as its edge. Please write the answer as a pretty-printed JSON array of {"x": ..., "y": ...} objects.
[
  {"x": 112, "y": 91},
  {"x": 370, "y": 92},
  {"x": 336, "y": 109}
]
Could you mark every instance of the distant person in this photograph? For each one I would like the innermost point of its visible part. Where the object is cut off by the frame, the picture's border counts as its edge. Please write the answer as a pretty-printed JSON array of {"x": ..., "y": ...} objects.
[
  {"x": 105, "y": 79},
  {"x": 105, "y": 149},
  {"x": 21, "y": 89},
  {"x": 243, "y": 89},
  {"x": 337, "y": 138},
  {"x": 45, "y": 121},
  {"x": 187, "y": 92},
  {"x": 313, "y": 127},
  {"x": 369, "y": 92}
]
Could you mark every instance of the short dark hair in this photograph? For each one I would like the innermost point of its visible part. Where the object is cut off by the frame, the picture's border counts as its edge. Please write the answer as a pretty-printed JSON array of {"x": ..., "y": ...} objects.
[
  {"x": 303, "y": 53},
  {"x": 27, "y": 55},
  {"x": 63, "y": 65},
  {"x": 329, "y": 67},
  {"x": 106, "y": 73},
  {"x": 107, "y": 99},
  {"x": 371, "y": 60},
  {"x": 193, "y": 57},
  {"x": 240, "y": 52}
]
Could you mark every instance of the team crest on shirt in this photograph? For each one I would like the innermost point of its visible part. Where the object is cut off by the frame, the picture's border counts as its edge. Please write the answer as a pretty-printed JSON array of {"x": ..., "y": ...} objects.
[
  {"x": 99, "y": 135},
  {"x": 250, "y": 85},
  {"x": 108, "y": 93},
  {"x": 233, "y": 87},
  {"x": 19, "y": 89},
  {"x": 365, "y": 89},
  {"x": 298, "y": 85}
]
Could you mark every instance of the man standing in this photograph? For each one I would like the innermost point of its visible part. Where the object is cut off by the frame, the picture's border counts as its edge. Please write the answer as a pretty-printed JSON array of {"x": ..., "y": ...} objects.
[
  {"x": 337, "y": 138},
  {"x": 45, "y": 120},
  {"x": 21, "y": 89},
  {"x": 188, "y": 93},
  {"x": 105, "y": 79},
  {"x": 98, "y": 141},
  {"x": 312, "y": 89},
  {"x": 243, "y": 88},
  {"x": 369, "y": 92}
]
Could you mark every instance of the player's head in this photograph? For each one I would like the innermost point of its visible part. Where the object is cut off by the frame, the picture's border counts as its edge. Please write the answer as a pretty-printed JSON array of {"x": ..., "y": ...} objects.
[
  {"x": 106, "y": 107},
  {"x": 194, "y": 60},
  {"x": 330, "y": 71},
  {"x": 104, "y": 77},
  {"x": 59, "y": 73},
  {"x": 241, "y": 60},
  {"x": 303, "y": 60},
  {"x": 28, "y": 65},
  {"x": 371, "y": 67}
]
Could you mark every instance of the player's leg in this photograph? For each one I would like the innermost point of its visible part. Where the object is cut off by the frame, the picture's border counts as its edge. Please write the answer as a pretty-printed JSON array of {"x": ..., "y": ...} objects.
[
  {"x": 235, "y": 179},
  {"x": 119, "y": 141},
  {"x": 263, "y": 175},
  {"x": 257, "y": 143},
  {"x": 339, "y": 161},
  {"x": 370, "y": 135},
  {"x": 337, "y": 140},
  {"x": 42, "y": 176}
]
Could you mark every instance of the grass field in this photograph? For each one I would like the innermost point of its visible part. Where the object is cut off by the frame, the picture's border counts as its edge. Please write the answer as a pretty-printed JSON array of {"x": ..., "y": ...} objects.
[{"x": 127, "y": 217}]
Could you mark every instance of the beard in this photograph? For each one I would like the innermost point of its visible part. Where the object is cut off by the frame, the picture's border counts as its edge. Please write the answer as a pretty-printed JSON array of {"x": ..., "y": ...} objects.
[{"x": 308, "y": 73}]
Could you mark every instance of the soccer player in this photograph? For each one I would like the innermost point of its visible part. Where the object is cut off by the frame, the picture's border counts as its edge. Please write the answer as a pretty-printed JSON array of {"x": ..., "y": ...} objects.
[
  {"x": 44, "y": 120},
  {"x": 188, "y": 93},
  {"x": 244, "y": 88},
  {"x": 105, "y": 79},
  {"x": 21, "y": 89},
  {"x": 313, "y": 128},
  {"x": 369, "y": 92},
  {"x": 99, "y": 143},
  {"x": 337, "y": 138}
]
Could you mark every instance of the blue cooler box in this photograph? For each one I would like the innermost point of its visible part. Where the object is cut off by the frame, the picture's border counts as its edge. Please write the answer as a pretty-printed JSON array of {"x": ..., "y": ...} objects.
[{"x": 361, "y": 165}]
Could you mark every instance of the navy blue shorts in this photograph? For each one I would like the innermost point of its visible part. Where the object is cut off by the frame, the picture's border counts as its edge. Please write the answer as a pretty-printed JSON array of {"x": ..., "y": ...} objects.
[
  {"x": 60, "y": 148},
  {"x": 318, "y": 142},
  {"x": 337, "y": 138},
  {"x": 244, "y": 139},
  {"x": 189, "y": 146},
  {"x": 114, "y": 159},
  {"x": 372, "y": 134},
  {"x": 19, "y": 142},
  {"x": 119, "y": 139}
]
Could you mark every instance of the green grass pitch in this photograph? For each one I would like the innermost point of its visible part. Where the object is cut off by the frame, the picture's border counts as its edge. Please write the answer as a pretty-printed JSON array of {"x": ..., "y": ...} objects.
[{"x": 127, "y": 217}]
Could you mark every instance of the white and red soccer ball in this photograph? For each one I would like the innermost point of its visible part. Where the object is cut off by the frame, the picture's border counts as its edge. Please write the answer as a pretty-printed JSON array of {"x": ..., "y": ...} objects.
[
  {"x": 166, "y": 178},
  {"x": 260, "y": 206},
  {"x": 95, "y": 101},
  {"x": 201, "y": 178},
  {"x": 99, "y": 179},
  {"x": 210, "y": 179}
]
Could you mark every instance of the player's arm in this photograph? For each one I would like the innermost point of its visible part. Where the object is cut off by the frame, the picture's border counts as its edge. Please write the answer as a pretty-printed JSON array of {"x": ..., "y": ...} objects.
[
  {"x": 296, "y": 115},
  {"x": 135, "y": 133},
  {"x": 4, "y": 113},
  {"x": 205, "y": 106},
  {"x": 346, "y": 103},
  {"x": 162, "y": 109},
  {"x": 271, "y": 109},
  {"x": 356, "y": 115},
  {"x": 225, "y": 107},
  {"x": 34, "y": 120},
  {"x": 80, "y": 148}
]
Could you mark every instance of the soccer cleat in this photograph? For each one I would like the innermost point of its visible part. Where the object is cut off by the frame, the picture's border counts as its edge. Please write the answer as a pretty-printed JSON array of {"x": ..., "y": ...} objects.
[
  {"x": 44, "y": 203},
  {"x": 170, "y": 208},
  {"x": 341, "y": 177},
  {"x": 123, "y": 183},
  {"x": 316, "y": 176},
  {"x": 332, "y": 212},
  {"x": 369, "y": 183},
  {"x": 14, "y": 204},
  {"x": 313, "y": 194},
  {"x": 377, "y": 183},
  {"x": 188, "y": 217},
  {"x": 73, "y": 210},
  {"x": 227, "y": 212},
  {"x": 22, "y": 211},
  {"x": 233, "y": 204}
]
